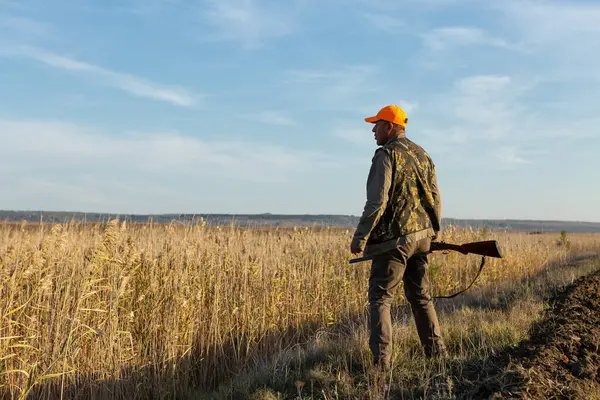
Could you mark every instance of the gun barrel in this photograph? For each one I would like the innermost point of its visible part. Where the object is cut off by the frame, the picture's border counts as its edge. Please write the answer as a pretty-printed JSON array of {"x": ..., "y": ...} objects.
[{"x": 360, "y": 259}]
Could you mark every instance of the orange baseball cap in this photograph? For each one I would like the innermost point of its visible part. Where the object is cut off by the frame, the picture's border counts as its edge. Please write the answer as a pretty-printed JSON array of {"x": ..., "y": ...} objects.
[{"x": 392, "y": 113}]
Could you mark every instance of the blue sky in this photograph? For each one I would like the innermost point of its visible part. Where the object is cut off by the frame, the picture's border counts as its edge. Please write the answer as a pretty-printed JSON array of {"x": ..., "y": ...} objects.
[{"x": 252, "y": 106}]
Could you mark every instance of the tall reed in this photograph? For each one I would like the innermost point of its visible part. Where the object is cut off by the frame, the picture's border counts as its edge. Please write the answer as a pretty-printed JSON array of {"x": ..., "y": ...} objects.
[{"x": 156, "y": 309}]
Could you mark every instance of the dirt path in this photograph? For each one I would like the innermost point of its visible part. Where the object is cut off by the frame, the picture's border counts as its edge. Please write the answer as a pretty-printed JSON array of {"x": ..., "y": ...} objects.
[{"x": 561, "y": 360}]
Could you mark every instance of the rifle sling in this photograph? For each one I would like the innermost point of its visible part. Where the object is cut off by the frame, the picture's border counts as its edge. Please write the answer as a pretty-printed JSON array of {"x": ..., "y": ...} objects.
[{"x": 468, "y": 287}]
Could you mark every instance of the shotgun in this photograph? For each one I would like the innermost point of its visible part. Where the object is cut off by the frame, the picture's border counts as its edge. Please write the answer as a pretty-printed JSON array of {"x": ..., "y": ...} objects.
[{"x": 487, "y": 248}]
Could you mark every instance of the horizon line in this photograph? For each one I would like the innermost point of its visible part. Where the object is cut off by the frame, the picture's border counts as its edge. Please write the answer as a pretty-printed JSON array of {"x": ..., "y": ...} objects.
[{"x": 282, "y": 215}]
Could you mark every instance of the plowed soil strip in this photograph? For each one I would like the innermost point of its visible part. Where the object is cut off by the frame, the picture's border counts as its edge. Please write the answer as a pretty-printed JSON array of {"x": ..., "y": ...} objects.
[{"x": 561, "y": 360}]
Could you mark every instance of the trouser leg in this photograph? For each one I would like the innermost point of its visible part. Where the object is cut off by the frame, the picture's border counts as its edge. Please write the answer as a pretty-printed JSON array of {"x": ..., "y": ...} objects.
[
  {"x": 417, "y": 291},
  {"x": 386, "y": 273}
]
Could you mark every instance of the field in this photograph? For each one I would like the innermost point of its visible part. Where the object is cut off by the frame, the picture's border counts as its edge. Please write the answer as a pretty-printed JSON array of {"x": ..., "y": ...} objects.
[{"x": 175, "y": 311}]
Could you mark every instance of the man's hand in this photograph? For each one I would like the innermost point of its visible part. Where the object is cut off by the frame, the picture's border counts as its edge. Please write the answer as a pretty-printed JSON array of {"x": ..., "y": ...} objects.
[{"x": 355, "y": 248}]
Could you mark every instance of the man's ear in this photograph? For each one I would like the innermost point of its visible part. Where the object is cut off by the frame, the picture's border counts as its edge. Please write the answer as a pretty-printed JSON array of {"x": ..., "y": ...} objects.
[{"x": 390, "y": 128}]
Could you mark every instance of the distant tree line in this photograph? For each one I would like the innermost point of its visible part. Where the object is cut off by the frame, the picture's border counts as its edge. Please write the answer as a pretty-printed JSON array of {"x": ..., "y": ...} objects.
[{"x": 288, "y": 220}]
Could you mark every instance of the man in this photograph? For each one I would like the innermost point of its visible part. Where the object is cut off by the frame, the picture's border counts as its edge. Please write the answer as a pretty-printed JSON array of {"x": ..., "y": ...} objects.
[{"x": 401, "y": 216}]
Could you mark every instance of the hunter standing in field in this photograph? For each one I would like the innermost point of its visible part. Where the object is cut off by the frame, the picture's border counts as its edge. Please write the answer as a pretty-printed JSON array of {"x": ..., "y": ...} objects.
[{"x": 401, "y": 216}]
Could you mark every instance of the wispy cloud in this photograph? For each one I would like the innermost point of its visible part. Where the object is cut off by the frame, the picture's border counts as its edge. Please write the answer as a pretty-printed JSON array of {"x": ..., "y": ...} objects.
[
  {"x": 489, "y": 101},
  {"x": 385, "y": 22},
  {"x": 488, "y": 121},
  {"x": 347, "y": 88},
  {"x": 128, "y": 83},
  {"x": 10, "y": 4},
  {"x": 64, "y": 145},
  {"x": 497, "y": 107},
  {"x": 73, "y": 167},
  {"x": 445, "y": 38},
  {"x": 401, "y": 6},
  {"x": 482, "y": 84},
  {"x": 24, "y": 27},
  {"x": 511, "y": 156},
  {"x": 538, "y": 19},
  {"x": 342, "y": 81},
  {"x": 570, "y": 48},
  {"x": 271, "y": 118},
  {"x": 358, "y": 137},
  {"x": 148, "y": 7},
  {"x": 484, "y": 121},
  {"x": 249, "y": 22}
]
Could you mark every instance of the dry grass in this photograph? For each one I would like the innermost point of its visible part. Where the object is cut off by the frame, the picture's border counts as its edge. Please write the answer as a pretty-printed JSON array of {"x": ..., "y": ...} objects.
[{"x": 166, "y": 310}]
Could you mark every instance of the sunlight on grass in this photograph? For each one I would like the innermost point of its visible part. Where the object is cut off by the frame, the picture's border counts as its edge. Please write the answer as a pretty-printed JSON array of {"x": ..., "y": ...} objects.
[{"x": 156, "y": 309}]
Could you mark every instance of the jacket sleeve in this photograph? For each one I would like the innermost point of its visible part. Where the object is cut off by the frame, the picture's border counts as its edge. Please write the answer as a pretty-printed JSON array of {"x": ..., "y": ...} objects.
[
  {"x": 436, "y": 218},
  {"x": 378, "y": 187}
]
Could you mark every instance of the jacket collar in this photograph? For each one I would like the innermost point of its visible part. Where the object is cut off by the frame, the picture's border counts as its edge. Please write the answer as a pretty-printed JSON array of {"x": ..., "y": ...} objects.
[{"x": 395, "y": 138}]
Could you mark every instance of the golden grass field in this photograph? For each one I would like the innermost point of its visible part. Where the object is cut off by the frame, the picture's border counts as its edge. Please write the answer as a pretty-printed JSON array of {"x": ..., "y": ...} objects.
[{"x": 171, "y": 310}]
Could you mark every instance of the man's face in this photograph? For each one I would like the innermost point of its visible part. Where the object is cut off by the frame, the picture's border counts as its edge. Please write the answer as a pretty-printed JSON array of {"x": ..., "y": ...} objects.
[{"x": 382, "y": 131}]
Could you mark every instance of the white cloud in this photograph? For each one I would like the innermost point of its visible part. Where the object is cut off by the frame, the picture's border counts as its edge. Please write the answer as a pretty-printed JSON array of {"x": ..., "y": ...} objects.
[
  {"x": 359, "y": 137},
  {"x": 65, "y": 166},
  {"x": 347, "y": 88},
  {"x": 490, "y": 101},
  {"x": 24, "y": 27},
  {"x": 401, "y": 6},
  {"x": 512, "y": 119},
  {"x": 441, "y": 39},
  {"x": 566, "y": 35},
  {"x": 271, "y": 118},
  {"x": 488, "y": 121},
  {"x": 6, "y": 5},
  {"x": 483, "y": 84},
  {"x": 247, "y": 21},
  {"x": 53, "y": 188},
  {"x": 128, "y": 83},
  {"x": 340, "y": 77},
  {"x": 148, "y": 7},
  {"x": 510, "y": 156},
  {"x": 483, "y": 121},
  {"x": 539, "y": 19},
  {"x": 62, "y": 145},
  {"x": 385, "y": 22},
  {"x": 408, "y": 106}
]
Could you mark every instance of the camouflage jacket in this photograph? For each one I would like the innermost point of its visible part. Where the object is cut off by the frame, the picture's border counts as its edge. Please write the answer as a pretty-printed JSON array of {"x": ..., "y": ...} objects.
[{"x": 403, "y": 199}]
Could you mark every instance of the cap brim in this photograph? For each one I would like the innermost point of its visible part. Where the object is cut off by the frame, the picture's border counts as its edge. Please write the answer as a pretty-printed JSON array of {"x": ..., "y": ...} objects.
[{"x": 372, "y": 119}]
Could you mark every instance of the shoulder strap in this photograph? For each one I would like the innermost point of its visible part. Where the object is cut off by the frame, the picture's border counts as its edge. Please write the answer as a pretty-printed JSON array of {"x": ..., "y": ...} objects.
[{"x": 468, "y": 287}]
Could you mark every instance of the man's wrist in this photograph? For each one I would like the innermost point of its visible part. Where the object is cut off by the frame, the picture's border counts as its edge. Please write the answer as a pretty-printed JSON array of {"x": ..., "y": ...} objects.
[{"x": 358, "y": 242}]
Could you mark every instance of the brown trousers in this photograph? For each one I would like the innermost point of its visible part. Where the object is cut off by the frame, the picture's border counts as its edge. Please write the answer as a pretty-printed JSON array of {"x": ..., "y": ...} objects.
[{"x": 409, "y": 263}]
